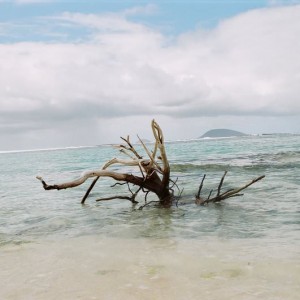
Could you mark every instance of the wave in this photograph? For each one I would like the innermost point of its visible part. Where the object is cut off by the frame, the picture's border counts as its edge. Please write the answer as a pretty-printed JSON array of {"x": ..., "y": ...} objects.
[
  {"x": 280, "y": 160},
  {"x": 46, "y": 149},
  {"x": 190, "y": 168}
]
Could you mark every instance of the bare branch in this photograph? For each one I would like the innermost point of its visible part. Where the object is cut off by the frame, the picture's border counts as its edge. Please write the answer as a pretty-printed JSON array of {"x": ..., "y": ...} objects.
[
  {"x": 200, "y": 187},
  {"x": 118, "y": 183},
  {"x": 89, "y": 190},
  {"x": 221, "y": 183},
  {"x": 235, "y": 191},
  {"x": 179, "y": 197},
  {"x": 132, "y": 162},
  {"x": 228, "y": 194},
  {"x": 152, "y": 158},
  {"x": 209, "y": 195},
  {"x": 124, "y": 151},
  {"x": 146, "y": 195},
  {"x": 141, "y": 207},
  {"x": 174, "y": 183},
  {"x": 131, "y": 148},
  {"x": 158, "y": 135},
  {"x": 89, "y": 174},
  {"x": 118, "y": 197}
]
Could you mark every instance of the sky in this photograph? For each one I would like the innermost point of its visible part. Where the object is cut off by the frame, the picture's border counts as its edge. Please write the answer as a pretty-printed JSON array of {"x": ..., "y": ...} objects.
[{"x": 75, "y": 73}]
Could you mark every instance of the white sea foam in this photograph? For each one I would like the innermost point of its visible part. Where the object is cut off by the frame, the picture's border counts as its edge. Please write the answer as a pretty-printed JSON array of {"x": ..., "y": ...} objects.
[{"x": 45, "y": 149}]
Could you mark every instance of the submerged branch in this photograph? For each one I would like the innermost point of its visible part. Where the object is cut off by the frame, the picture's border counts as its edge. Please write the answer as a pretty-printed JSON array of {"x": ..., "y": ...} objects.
[
  {"x": 221, "y": 183},
  {"x": 228, "y": 194},
  {"x": 118, "y": 197},
  {"x": 200, "y": 187}
]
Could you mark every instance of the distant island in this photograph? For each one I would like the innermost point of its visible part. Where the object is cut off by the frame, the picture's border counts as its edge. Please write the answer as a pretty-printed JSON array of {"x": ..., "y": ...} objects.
[{"x": 214, "y": 133}]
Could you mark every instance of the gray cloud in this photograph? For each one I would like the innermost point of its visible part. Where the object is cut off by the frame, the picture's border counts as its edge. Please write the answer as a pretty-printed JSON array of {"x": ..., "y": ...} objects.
[{"x": 248, "y": 65}]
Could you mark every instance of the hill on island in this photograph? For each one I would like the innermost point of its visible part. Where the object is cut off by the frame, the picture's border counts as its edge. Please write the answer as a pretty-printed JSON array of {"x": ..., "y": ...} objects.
[{"x": 214, "y": 133}]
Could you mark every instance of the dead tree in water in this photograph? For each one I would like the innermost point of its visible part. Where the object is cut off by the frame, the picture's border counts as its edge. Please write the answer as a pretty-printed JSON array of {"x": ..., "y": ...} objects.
[
  {"x": 154, "y": 172},
  {"x": 222, "y": 196},
  {"x": 153, "y": 175}
]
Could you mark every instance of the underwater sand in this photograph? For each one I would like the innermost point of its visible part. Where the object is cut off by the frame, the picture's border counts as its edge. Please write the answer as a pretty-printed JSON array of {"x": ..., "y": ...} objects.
[
  {"x": 51, "y": 247},
  {"x": 112, "y": 268}
]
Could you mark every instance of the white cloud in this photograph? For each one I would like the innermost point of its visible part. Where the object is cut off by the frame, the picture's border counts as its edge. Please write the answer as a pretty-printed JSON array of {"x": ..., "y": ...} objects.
[
  {"x": 25, "y": 2},
  {"x": 31, "y": 1},
  {"x": 283, "y": 2},
  {"x": 148, "y": 9},
  {"x": 248, "y": 65}
]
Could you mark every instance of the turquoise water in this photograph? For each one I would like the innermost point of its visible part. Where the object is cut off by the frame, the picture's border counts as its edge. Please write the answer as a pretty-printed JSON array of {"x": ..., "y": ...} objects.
[{"x": 270, "y": 209}]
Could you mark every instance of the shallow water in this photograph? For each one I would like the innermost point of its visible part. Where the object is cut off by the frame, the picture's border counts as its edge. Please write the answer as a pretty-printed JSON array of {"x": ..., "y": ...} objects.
[
  {"x": 244, "y": 248},
  {"x": 108, "y": 268}
]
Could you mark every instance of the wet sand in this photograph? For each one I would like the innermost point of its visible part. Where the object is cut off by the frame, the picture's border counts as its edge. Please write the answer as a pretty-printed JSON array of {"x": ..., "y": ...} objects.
[{"x": 103, "y": 268}]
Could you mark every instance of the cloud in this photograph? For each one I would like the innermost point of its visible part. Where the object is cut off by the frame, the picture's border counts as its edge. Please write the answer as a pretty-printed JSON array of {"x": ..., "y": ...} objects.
[
  {"x": 283, "y": 2},
  {"x": 247, "y": 65},
  {"x": 148, "y": 9},
  {"x": 31, "y": 1}
]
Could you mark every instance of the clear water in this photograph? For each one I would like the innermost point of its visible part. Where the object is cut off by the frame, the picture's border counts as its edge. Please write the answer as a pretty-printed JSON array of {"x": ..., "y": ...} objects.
[
  {"x": 269, "y": 208},
  {"x": 52, "y": 247}
]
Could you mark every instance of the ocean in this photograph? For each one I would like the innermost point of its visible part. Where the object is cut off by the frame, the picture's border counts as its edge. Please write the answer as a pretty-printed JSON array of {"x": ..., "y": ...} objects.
[{"x": 52, "y": 247}]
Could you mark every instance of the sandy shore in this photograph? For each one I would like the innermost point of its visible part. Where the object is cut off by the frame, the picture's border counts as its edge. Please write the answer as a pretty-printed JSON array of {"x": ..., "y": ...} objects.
[{"x": 97, "y": 268}]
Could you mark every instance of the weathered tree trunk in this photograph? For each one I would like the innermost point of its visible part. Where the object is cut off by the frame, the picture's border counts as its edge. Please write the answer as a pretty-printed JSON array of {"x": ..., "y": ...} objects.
[
  {"x": 155, "y": 171},
  {"x": 154, "y": 175}
]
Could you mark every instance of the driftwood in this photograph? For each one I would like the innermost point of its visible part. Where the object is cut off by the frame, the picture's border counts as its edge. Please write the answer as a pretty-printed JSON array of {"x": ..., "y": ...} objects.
[
  {"x": 150, "y": 175},
  {"x": 222, "y": 196},
  {"x": 154, "y": 172}
]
